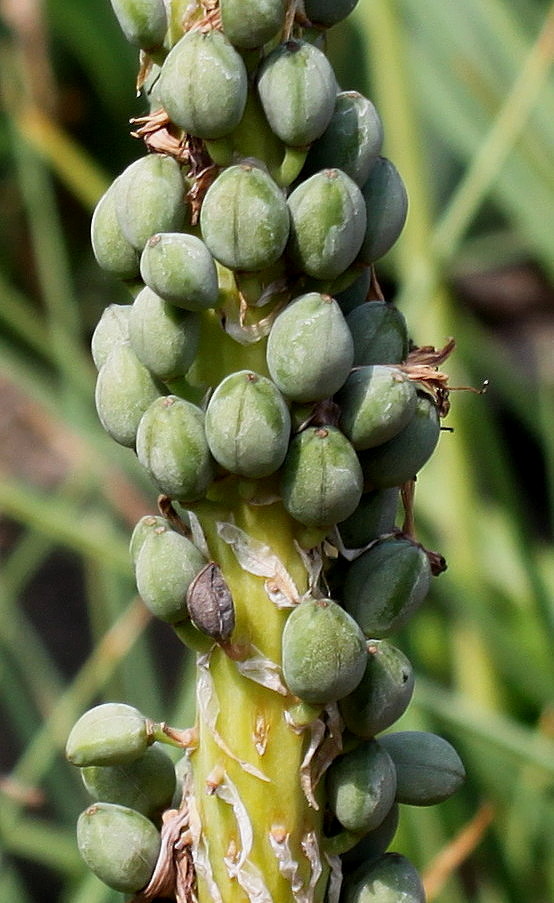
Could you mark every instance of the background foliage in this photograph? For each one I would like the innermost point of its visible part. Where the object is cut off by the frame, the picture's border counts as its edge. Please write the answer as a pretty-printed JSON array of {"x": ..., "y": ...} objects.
[{"x": 467, "y": 97}]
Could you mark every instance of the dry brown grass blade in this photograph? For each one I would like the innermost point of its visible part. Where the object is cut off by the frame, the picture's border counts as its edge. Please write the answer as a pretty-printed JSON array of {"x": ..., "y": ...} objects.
[{"x": 451, "y": 856}]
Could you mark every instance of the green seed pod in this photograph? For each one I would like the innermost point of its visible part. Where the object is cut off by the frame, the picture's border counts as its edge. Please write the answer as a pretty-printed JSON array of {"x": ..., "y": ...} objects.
[
  {"x": 428, "y": 768},
  {"x": 248, "y": 425},
  {"x": 402, "y": 457},
  {"x": 383, "y": 693},
  {"x": 310, "y": 348},
  {"x": 172, "y": 446},
  {"x": 297, "y": 89},
  {"x": 321, "y": 481},
  {"x": 328, "y": 12},
  {"x": 210, "y": 106},
  {"x": 119, "y": 845},
  {"x": 376, "y": 402},
  {"x": 328, "y": 221},
  {"x": 112, "y": 329},
  {"x": 146, "y": 784},
  {"x": 109, "y": 734},
  {"x": 373, "y": 844},
  {"x": 380, "y": 334},
  {"x": 324, "y": 652},
  {"x": 390, "y": 879},
  {"x": 361, "y": 786},
  {"x": 150, "y": 198},
  {"x": 113, "y": 252},
  {"x": 351, "y": 142},
  {"x": 124, "y": 390},
  {"x": 251, "y": 23},
  {"x": 374, "y": 516},
  {"x": 387, "y": 208},
  {"x": 386, "y": 585},
  {"x": 180, "y": 269},
  {"x": 244, "y": 218},
  {"x": 146, "y": 525},
  {"x": 143, "y": 22},
  {"x": 167, "y": 563},
  {"x": 164, "y": 338},
  {"x": 356, "y": 293}
]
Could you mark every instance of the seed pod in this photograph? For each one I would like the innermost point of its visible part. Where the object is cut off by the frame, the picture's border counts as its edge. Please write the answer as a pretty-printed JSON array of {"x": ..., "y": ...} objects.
[
  {"x": 380, "y": 334},
  {"x": 328, "y": 221},
  {"x": 172, "y": 446},
  {"x": 402, "y": 457},
  {"x": 146, "y": 784},
  {"x": 428, "y": 768},
  {"x": 383, "y": 693},
  {"x": 244, "y": 218},
  {"x": 248, "y": 425},
  {"x": 146, "y": 525},
  {"x": 251, "y": 23},
  {"x": 390, "y": 879},
  {"x": 150, "y": 198},
  {"x": 376, "y": 402},
  {"x": 164, "y": 338},
  {"x": 310, "y": 348},
  {"x": 210, "y": 604},
  {"x": 328, "y": 12},
  {"x": 124, "y": 390},
  {"x": 167, "y": 563},
  {"x": 180, "y": 269},
  {"x": 386, "y": 201},
  {"x": 373, "y": 844},
  {"x": 321, "y": 481},
  {"x": 361, "y": 786},
  {"x": 351, "y": 142},
  {"x": 143, "y": 22},
  {"x": 109, "y": 734},
  {"x": 119, "y": 845},
  {"x": 324, "y": 652},
  {"x": 113, "y": 252},
  {"x": 210, "y": 106},
  {"x": 386, "y": 585},
  {"x": 297, "y": 89},
  {"x": 112, "y": 329},
  {"x": 356, "y": 293},
  {"x": 374, "y": 516}
]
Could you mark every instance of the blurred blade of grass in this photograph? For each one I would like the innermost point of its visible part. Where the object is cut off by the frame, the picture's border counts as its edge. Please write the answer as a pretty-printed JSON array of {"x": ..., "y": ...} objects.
[
  {"x": 11, "y": 885},
  {"x": 90, "y": 890},
  {"x": 41, "y": 841}
]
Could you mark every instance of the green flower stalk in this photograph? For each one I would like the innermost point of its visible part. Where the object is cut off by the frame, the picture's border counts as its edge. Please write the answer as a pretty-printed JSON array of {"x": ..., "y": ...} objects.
[{"x": 269, "y": 392}]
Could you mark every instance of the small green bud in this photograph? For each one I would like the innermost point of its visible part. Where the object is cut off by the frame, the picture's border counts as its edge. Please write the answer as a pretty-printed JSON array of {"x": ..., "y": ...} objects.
[
  {"x": 252, "y": 23},
  {"x": 386, "y": 200},
  {"x": 379, "y": 332},
  {"x": 112, "y": 329},
  {"x": 150, "y": 198},
  {"x": 146, "y": 525},
  {"x": 166, "y": 565},
  {"x": 164, "y": 338},
  {"x": 143, "y": 22},
  {"x": 328, "y": 12},
  {"x": 376, "y": 402},
  {"x": 113, "y": 252},
  {"x": 124, "y": 391},
  {"x": 180, "y": 269},
  {"x": 361, "y": 786},
  {"x": 146, "y": 784},
  {"x": 428, "y": 768},
  {"x": 383, "y": 693},
  {"x": 109, "y": 734},
  {"x": 374, "y": 516},
  {"x": 391, "y": 879}
]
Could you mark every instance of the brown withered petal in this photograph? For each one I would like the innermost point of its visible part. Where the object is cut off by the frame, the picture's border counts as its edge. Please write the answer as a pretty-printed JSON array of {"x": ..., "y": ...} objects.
[{"x": 210, "y": 604}]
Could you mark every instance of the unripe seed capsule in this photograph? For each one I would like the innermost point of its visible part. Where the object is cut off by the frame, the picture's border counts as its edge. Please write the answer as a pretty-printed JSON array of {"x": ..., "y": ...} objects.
[
  {"x": 124, "y": 391},
  {"x": 143, "y": 22},
  {"x": 248, "y": 425},
  {"x": 386, "y": 201},
  {"x": 164, "y": 338},
  {"x": 210, "y": 106},
  {"x": 379, "y": 332},
  {"x": 374, "y": 516},
  {"x": 146, "y": 525},
  {"x": 383, "y": 693},
  {"x": 119, "y": 845},
  {"x": 146, "y": 784},
  {"x": 109, "y": 734},
  {"x": 166, "y": 565},
  {"x": 113, "y": 252},
  {"x": 310, "y": 348},
  {"x": 244, "y": 218},
  {"x": 172, "y": 446},
  {"x": 328, "y": 12},
  {"x": 297, "y": 88},
  {"x": 428, "y": 768},
  {"x": 361, "y": 786},
  {"x": 321, "y": 481},
  {"x": 112, "y": 329},
  {"x": 324, "y": 652},
  {"x": 356, "y": 293},
  {"x": 376, "y": 402},
  {"x": 328, "y": 221},
  {"x": 251, "y": 23},
  {"x": 180, "y": 269},
  {"x": 390, "y": 879},
  {"x": 149, "y": 198},
  {"x": 373, "y": 844},
  {"x": 386, "y": 585}
]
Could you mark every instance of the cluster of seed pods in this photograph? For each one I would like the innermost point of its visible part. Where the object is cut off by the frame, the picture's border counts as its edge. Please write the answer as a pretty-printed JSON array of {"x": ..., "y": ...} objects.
[{"x": 281, "y": 411}]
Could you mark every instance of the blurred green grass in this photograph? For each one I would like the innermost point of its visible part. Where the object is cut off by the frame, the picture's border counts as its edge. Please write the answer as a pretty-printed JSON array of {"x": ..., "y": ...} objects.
[{"x": 466, "y": 92}]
